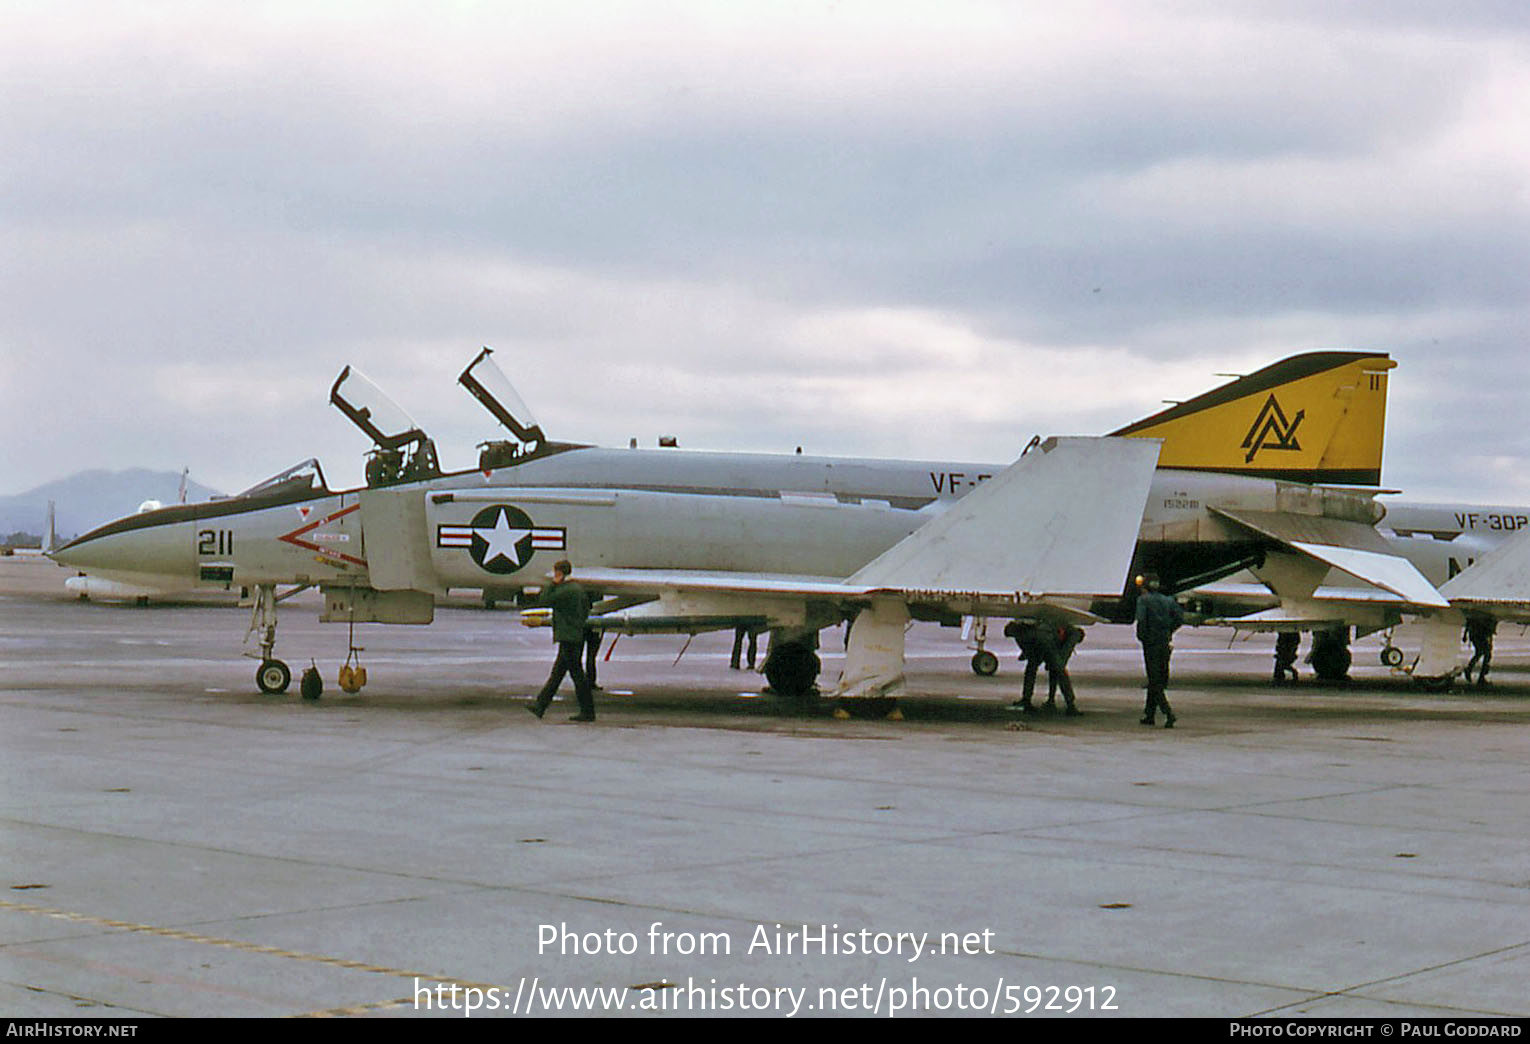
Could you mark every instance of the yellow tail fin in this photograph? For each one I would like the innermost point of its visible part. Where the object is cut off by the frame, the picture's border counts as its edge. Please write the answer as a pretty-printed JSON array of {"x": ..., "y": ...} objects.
[{"x": 1317, "y": 417}]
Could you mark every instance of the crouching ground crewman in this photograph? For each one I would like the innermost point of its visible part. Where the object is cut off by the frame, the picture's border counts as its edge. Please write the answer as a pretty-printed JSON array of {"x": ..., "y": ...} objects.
[{"x": 570, "y": 610}]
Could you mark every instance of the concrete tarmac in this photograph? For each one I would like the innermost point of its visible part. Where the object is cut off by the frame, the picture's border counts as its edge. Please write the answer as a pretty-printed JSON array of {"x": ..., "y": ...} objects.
[{"x": 174, "y": 843}]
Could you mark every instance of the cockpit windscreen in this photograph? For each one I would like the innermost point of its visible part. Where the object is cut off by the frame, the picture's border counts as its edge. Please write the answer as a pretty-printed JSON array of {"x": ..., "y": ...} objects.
[{"x": 304, "y": 477}]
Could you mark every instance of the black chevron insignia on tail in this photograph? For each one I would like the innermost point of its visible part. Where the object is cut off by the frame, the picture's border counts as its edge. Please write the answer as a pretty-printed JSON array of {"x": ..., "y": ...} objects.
[{"x": 1271, "y": 430}]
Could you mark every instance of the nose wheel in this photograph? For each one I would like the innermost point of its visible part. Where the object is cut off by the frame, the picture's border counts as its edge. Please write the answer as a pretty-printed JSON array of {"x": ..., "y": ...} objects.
[
  {"x": 975, "y": 630},
  {"x": 273, "y": 676},
  {"x": 984, "y": 664}
]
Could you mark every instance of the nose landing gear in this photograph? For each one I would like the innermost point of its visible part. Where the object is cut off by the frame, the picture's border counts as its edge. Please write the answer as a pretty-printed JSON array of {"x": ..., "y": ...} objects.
[
  {"x": 272, "y": 676},
  {"x": 975, "y": 630}
]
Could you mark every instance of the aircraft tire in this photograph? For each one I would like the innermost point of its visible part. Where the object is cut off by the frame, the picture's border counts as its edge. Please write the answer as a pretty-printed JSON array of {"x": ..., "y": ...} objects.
[
  {"x": 1330, "y": 656},
  {"x": 985, "y": 664},
  {"x": 792, "y": 671},
  {"x": 1391, "y": 656},
  {"x": 273, "y": 677}
]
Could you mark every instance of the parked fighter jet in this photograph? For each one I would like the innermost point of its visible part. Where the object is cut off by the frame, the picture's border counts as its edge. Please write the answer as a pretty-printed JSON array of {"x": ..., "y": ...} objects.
[
  {"x": 684, "y": 541},
  {"x": 1442, "y": 541},
  {"x": 381, "y": 553},
  {"x": 1481, "y": 556}
]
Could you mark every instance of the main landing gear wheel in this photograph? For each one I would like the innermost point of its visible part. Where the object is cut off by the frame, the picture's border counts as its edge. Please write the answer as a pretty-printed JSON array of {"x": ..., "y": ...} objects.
[
  {"x": 273, "y": 677},
  {"x": 873, "y": 707},
  {"x": 985, "y": 664},
  {"x": 1330, "y": 656},
  {"x": 791, "y": 670},
  {"x": 1392, "y": 656}
]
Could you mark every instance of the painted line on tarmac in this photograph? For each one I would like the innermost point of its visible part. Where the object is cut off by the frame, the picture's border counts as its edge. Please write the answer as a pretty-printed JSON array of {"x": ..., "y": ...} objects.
[{"x": 249, "y": 947}]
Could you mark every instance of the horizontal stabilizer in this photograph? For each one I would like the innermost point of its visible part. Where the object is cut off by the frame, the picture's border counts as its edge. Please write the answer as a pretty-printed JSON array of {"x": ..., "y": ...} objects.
[
  {"x": 1351, "y": 547},
  {"x": 1061, "y": 521},
  {"x": 1290, "y": 528}
]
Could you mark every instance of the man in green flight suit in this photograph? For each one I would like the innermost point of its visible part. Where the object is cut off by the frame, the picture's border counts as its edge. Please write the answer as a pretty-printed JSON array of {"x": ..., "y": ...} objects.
[{"x": 570, "y": 609}]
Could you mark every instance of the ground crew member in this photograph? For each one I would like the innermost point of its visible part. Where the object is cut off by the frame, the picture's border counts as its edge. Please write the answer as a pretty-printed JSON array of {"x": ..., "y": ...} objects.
[
  {"x": 571, "y": 608},
  {"x": 1024, "y": 633},
  {"x": 1158, "y": 617},
  {"x": 1286, "y": 645},
  {"x": 1047, "y": 645},
  {"x": 1480, "y": 630},
  {"x": 739, "y": 634},
  {"x": 1068, "y": 637}
]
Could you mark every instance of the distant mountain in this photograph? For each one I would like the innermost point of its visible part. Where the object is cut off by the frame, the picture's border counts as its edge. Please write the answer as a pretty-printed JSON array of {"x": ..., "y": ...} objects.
[{"x": 87, "y": 499}]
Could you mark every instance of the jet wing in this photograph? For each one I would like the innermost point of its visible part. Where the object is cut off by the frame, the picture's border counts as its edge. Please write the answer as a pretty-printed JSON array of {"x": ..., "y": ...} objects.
[
  {"x": 1058, "y": 524},
  {"x": 1351, "y": 547},
  {"x": 1498, "y": 583},
  {"x": 1060, "y": 521},
  {"x": 1055, "y": 528}
]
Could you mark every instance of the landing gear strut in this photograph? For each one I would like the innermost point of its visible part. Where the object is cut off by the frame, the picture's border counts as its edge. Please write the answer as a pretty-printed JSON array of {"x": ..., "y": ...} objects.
[
  {"x": 984, "y": 663},
  {"x": 272, "y": 676}
]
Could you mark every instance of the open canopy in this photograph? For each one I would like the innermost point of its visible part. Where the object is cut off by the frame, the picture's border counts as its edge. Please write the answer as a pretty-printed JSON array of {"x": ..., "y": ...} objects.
[{"x": 493, "y": 389}]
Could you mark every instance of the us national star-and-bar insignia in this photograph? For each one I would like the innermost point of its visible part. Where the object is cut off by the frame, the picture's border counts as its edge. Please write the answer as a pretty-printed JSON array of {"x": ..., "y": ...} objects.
[{"x": 502, "y": 538}]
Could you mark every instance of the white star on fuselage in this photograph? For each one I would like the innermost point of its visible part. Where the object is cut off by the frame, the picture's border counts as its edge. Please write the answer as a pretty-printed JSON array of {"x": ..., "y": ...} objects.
[{"x": 501, "y": 539}]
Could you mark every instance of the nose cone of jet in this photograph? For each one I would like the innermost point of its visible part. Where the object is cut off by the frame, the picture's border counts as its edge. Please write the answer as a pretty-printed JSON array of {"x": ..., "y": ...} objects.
[
  {"x": 84, "y": 554},
  {"x": 136, "y": 545}
]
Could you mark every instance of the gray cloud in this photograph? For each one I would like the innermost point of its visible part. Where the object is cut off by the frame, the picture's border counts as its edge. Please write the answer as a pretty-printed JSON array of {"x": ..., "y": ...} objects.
[{"x": 751, "y": 227}]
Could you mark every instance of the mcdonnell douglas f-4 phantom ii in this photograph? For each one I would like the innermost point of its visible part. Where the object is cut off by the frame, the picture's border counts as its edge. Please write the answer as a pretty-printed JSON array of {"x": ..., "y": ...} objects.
[
  {"x": 794, "y": 564},
  {"x": 1462, "y": 549},
  {"x": 684, "y": 541}
]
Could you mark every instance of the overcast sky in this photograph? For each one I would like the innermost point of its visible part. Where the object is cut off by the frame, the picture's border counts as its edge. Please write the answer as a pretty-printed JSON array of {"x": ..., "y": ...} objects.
[{"x": 890, "y": 229}]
